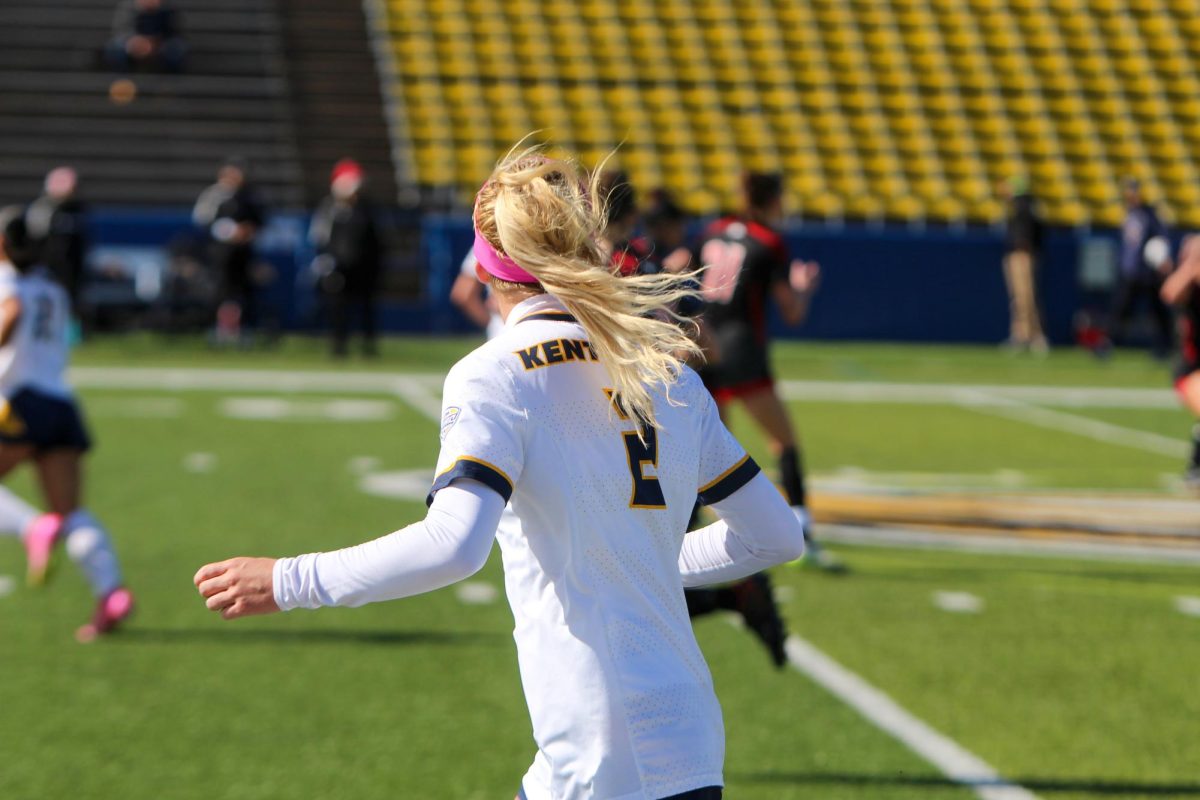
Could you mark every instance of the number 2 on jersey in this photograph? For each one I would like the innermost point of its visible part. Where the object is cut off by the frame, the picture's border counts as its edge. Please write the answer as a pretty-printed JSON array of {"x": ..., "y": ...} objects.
[
  {"x": 643, "y": 453},
  {"x": 723, "y": 263},
  {"x": 647, "y": 491},
  {"x": 43, "y": 318}
]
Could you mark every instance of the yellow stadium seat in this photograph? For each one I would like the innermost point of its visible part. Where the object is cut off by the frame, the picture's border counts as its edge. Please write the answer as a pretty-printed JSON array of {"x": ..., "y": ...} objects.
[{"x": 902, "y": 109}]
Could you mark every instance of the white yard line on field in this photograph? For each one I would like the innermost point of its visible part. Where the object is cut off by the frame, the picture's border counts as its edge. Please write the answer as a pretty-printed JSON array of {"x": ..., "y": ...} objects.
[
  {"x": 421, "y": 396},
  {"x": 958, "y": 602},
  {"x": 954, "y": 761},
  {"x": 422, "y": 391},
  {"x": 1004, "y": 545},
  {"x": 1094, "y": 429},
  {"x": 182, "y": 379},
  {"x": 253, "y": 380},
  {"x": 953, "y": 393},
  {"x": 1190, "y": 606}
]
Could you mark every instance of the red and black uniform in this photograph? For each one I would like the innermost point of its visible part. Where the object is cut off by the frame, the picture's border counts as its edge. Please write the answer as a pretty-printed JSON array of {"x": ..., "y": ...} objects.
[
  {"x": 632, "y": 257},
  {"x": 743, "y": 260},
  {"x": 1189, "y": 349}
]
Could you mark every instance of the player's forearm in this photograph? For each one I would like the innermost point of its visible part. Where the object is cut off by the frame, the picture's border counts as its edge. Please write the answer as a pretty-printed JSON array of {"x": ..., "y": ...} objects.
[
  {"x": 757, "y": 530},
  {"x": 450, "y": 544},
  {"x": 1180, "y": 284}
]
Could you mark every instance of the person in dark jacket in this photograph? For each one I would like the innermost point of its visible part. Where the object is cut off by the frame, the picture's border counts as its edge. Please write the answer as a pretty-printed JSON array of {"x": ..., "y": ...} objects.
[
  {"x": 146, "y": 33},
  {"x": 57, "y": 222},
  {"x": 1144, "y": 262},
  {"x": 1024, "y": 241},
  {"x": 349, "y": 251},
  {"x": 231, "y": 214}
]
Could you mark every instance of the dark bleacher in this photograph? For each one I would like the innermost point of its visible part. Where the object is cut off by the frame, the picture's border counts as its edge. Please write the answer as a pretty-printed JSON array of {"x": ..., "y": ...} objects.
[
  {"x": 336, "y": 97},
  {"x": 163, "y": 147}
]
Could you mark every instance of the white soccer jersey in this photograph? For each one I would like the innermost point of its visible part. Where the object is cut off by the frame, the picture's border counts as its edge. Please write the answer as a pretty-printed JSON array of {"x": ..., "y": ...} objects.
[
  {"x": 36, "y": 355},
  {"x": 620, "y": 698}
]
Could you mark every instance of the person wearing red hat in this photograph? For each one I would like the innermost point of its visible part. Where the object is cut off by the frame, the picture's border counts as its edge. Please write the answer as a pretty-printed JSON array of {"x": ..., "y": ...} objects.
[{"x": 345, "y": 233}]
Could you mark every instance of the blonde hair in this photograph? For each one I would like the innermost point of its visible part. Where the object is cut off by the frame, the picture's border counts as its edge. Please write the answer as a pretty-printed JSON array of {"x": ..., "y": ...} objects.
[{"x": 547, "y": 215}]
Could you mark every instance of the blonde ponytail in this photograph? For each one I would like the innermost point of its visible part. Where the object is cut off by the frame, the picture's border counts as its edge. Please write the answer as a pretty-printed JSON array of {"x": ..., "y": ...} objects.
[{"x": 545, "y": 216}]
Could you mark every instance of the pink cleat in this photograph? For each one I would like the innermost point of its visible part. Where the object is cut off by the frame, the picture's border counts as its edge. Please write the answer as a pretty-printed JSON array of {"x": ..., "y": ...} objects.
[
  {"x": 40, "y": 538},
  {"x": 110, "y": 612}
]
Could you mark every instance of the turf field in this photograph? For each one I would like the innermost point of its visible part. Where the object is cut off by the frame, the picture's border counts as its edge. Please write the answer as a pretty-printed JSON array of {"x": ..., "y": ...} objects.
[{"x": 1073, "y": 678}]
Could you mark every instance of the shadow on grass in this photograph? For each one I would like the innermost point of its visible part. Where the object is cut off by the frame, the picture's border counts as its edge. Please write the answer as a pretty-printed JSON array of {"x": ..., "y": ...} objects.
[
  {"x": 231, "y": 635},
  {"x": 1094, "y": 786}
]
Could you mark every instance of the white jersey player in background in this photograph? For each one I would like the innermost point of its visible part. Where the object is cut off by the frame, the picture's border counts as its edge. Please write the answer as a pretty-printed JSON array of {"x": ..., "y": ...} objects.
[
  {"x": 581, "y": 413},
  {"x": 474, "y": 300},
  {"x": 40, "y": 423}
]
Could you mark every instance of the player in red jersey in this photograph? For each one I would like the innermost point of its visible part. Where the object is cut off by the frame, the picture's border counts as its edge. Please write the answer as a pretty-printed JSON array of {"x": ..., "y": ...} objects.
[
  {"x": 747, "y": 267},
  {"x": 753, "y": 597},
  {"x": 1182, "y": 290}
]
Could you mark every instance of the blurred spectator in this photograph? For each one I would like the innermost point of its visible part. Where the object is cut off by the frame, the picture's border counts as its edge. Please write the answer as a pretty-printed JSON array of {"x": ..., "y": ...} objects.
[
  {"x": 57, "y": 222},
  {"x": 346, "y": 235},
  {"x": 1024, "y": 241},
  {"x": 146, "y": 34},
  {"x": 1144, "y": 262},
  {"x": 232, "y": 216}
]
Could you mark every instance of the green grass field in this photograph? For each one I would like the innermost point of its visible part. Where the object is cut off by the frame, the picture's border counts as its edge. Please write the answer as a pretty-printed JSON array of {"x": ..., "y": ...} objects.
[{"x": 1075, "y": 679}]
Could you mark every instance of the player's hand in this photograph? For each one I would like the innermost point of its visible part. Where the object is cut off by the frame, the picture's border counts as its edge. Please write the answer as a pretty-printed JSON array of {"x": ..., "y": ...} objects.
[
  {"x": 805, "y": 276},
  {"x": 677, "y": 261},
  {"x": 239, "y": 587}
]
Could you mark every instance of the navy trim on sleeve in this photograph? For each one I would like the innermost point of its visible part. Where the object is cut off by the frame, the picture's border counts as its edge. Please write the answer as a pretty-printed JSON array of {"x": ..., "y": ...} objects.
[
  {"x": 476, "y": 470},
  {"x": 728, "y": 481}
]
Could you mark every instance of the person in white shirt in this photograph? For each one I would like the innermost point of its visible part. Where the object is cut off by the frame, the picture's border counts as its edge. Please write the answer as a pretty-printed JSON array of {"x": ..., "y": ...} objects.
[
  {"x": 582, "y": 414},
  {"x": 40, "y": 423},
  {"x": 472, "y": 298}
]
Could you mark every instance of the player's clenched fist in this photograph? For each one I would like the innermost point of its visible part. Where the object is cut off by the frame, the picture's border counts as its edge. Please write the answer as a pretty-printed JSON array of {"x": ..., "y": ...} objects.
[{"x": 238, "y": 587}]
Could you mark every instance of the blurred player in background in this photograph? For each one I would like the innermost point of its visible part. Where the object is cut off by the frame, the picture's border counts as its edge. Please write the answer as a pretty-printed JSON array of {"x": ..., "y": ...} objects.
[
  {"x": 349, "y": 251},
  {"x": 58, "y": 223},
  {"x": 1145, "y": 260},
  {"x": 232, "y": 216},
  {"x": 1182, "y": 290},
  {"x": 666, "y": 231},
  {"x": 752, "y": 598},
  {"x": 746, "y": 268},
  {"x": 40, "y": 423},
  {"x": 1022, "y": 244},
  {"x": 567, "y": 413},
  {"x": 630, "y": 254},
  {"x": 472, "y": 297}
]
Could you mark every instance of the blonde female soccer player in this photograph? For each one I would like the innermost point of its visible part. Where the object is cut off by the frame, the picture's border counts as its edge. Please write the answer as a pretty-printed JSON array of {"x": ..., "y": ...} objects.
[
  {"x": 581, "y": 413},
  {"x": 40, "y": 423}
]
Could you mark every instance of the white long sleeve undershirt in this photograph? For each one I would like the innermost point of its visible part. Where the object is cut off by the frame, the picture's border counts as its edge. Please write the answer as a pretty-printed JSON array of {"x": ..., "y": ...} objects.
[
  {"x": 450, "y": 544},
  {"x": 757, "y": 530}
]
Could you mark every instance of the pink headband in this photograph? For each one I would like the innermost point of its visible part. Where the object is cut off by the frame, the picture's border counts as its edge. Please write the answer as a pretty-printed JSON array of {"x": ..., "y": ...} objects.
[{"x": 499, "y": 266}]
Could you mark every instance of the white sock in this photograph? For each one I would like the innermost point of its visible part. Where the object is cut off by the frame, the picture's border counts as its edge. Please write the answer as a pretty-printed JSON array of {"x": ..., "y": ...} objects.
[
  {"x": 15, "y": 514},
  {"x": 802, "y": 514},
  {"x": 88, "y": 545}
]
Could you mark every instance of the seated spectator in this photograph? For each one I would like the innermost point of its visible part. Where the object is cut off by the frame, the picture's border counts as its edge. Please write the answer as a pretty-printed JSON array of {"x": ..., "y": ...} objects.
[{"x": 146, "y": 35}]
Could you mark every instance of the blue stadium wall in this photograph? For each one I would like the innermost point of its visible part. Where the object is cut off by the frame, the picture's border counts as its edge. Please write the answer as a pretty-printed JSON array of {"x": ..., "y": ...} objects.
[{"x": 892, "y": 283}]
